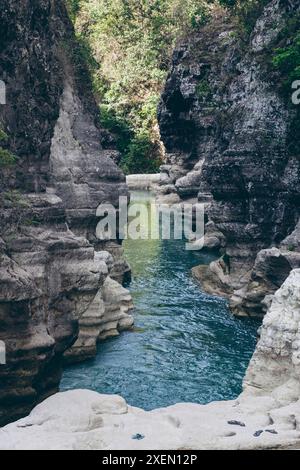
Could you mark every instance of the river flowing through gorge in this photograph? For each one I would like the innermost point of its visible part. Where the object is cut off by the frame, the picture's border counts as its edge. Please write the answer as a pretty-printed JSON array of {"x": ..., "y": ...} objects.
[{"x": 185, "y": 347}]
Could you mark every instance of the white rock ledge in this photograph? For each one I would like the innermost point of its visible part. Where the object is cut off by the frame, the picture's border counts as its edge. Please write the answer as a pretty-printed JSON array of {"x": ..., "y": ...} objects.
[
  {"x": 142, "y": 182},
  {"x": 267, "y": 412}
]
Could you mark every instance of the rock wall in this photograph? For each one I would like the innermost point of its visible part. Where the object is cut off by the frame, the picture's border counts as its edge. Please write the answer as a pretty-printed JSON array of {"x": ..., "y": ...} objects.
[
  {"x": 55, "y": 277},
  {"x": 265, "y": 416},
  {"x": 231, "y": 143}
]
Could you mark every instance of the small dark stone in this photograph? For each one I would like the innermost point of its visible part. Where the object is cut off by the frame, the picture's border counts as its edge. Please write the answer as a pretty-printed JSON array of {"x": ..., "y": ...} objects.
[
  {"x": 138, "y": 437},
  {"x": 237, "y": 423},
  {"x": 271, "y": 431},
  {"x": 258, "y": 433}
]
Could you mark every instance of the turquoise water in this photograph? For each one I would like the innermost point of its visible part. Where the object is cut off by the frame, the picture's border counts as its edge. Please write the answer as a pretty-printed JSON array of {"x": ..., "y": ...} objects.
[{"x": 186, "y": 346}]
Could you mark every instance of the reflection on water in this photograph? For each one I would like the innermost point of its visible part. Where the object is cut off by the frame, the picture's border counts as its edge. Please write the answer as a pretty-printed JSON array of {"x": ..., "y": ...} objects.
[{"x": 186, "y": 346}]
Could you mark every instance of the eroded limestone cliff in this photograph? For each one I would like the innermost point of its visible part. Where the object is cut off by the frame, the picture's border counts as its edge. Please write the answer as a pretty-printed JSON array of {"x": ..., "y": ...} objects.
[
  {"x": 58, "y": 282},
  {"x": 232, "y": 142}
]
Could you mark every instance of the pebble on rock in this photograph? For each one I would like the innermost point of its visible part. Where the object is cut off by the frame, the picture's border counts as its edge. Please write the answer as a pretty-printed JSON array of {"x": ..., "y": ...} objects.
[
  {"x": 138, "y": 437},
  {"x": 258, "y": 433}
]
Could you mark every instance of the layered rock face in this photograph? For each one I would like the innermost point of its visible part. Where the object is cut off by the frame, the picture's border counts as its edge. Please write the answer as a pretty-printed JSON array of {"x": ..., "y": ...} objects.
[
  {"x": 58, "y": 282},
  {"x": 107, "y": 315},
  {"x": 231, "y": 143},
  {"x": 265, "y": 416},
  {"x": 280, "y": 339}
]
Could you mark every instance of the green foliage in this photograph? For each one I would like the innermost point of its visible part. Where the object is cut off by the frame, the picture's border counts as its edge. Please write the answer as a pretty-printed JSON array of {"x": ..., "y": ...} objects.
[
  {"x": 287, "y": 61},
  {"x": 6, "y": 157},
  {"x": 131, "y": 42},
  {"x": 134, "y": 136},
  {"x": 229, "y": 3},
  {"x": 248, "y": 11},
  {"x": 31, "y": 222},
  {"x": 140, "y": 146},
  {"x": 200, "y": 16},
  {"x": 3, "y": 135},
  {"x": 117, "y": 125},
  {"x": 14, "y": 198},
  {"x": 203, "y": 89},
  {"x": 73, "y": 8}
]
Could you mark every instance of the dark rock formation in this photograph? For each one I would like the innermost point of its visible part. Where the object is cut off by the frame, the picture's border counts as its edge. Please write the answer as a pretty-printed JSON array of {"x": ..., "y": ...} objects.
[
  {"x": 230, "y": 140},
  {"x": 51, "y": 278}
]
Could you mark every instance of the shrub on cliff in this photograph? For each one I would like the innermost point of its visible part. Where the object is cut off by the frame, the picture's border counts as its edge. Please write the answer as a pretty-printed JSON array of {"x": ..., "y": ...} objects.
[
  {"x": 286, "y": 61},
  {"x": 6, "y": 157},
  {"x": 248, "y": 11}
]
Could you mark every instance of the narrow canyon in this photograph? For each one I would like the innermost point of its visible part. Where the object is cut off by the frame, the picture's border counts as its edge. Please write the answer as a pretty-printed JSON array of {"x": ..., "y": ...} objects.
[{"x": 140, "y": 344}]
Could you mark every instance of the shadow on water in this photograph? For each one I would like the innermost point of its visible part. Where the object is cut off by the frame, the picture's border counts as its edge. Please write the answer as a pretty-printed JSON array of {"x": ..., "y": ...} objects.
[{"x": 186, "y": 346}]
